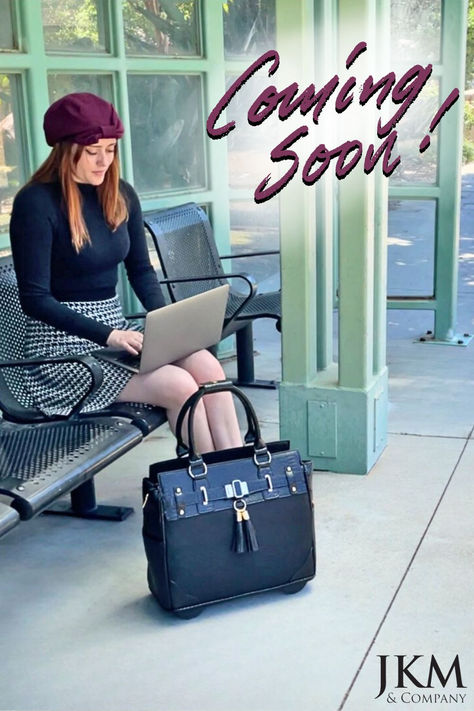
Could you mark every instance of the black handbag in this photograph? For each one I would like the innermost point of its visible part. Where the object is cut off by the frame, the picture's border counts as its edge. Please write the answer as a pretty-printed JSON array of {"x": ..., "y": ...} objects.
[{"x": 228, "y": 523}]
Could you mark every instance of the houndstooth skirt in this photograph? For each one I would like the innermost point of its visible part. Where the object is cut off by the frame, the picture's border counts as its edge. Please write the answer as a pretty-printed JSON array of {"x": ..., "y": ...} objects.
[{"x": 55, "y": 389}]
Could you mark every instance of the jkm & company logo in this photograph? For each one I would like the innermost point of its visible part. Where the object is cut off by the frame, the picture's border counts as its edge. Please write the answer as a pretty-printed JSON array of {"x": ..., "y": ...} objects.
[{"x": 406, "y": 679}]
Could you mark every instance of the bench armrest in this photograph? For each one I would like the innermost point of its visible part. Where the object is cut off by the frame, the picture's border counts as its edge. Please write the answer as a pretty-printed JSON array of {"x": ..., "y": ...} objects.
[
  {"x": 92, "y": 364},
  {"x": 249, "y": 254}
]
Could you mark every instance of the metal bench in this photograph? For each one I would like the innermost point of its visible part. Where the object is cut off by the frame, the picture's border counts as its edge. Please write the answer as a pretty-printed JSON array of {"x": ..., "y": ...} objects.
[
  {"x": 41, "y": 458},
  {"x": 185, "y": 245}
]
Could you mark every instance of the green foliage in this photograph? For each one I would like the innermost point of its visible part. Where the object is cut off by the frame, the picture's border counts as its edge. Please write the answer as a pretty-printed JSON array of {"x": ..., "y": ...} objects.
[
  {"x": 5, "y": 96},
  {"x": 186, "y": 9},
  {"x": 468, "y": 144},
  {"x": 468, "y": 115},
  {"x": 71, "y": 23},
  {"x": 470, "y": 45},
  {"x": 87, "y": 21},
  {"x": 467, "y": 151}
]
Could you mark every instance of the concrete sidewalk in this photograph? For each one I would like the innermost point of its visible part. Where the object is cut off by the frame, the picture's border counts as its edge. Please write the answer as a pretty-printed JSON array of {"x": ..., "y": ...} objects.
[{"x": 80, "y": 632}]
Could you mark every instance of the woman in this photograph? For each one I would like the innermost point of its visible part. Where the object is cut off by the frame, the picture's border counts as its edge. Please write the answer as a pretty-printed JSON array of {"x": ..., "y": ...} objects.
[{"x": 71, "y": 226}]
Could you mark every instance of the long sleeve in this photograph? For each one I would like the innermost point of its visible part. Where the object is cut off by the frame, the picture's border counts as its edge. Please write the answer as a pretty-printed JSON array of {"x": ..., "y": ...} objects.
[
  {"x": 140, "y": 271},
  {"x": 31, "y": 233}
]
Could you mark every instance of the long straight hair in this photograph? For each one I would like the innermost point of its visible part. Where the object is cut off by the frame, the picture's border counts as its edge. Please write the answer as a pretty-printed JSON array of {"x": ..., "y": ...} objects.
[{"x": 60, "y": 165}]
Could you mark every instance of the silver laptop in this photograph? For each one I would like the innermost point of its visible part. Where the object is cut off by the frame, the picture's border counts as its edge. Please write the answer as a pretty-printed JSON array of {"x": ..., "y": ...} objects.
[{"x": 175, "y": 331}]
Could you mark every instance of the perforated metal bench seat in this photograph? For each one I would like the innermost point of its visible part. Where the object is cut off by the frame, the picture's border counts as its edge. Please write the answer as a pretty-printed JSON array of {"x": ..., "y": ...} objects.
[
  {"x": 8, "y": 518},
  {"x": 40, "y": 462}
]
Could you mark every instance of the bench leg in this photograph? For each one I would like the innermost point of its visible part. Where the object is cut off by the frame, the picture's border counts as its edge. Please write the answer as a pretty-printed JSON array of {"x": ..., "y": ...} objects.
[
  {"x": 84, "y": 505},
  {"x": 245, "y": 365}
]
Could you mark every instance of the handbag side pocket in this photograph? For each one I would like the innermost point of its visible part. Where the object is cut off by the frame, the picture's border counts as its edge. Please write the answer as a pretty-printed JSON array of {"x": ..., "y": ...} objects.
[
  {"x": 152, "y": 511},
  {"x": 155, "y": 544}
]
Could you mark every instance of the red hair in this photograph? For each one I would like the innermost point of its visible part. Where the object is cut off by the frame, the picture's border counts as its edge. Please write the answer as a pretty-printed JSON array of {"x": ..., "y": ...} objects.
[{"x": 60, "y": 165}]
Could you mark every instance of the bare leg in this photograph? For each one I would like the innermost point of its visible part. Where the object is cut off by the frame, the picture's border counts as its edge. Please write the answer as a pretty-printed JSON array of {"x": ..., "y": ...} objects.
[
  {"x": 220, "y": 410},
  {"x": 169, "y": 387}
]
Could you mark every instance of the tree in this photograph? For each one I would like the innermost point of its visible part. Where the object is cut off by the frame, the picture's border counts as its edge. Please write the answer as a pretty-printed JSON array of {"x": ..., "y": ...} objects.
[
  {"x": 166, "y": 27},
  {"x": 73, "y": 24}
]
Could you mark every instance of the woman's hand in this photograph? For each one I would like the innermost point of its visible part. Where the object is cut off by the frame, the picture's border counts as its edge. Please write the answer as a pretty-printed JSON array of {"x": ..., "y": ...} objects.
[{"x": 131, "y": 341}]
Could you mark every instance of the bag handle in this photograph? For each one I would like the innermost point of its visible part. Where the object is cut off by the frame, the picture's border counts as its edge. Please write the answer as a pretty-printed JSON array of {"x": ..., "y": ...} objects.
[
  {"x": 253, "y": 432},
  {"x": 253, "y": 435}
]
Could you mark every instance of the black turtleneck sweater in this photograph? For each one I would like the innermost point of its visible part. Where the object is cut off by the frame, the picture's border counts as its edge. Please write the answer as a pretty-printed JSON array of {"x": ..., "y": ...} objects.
[{"x": 49, "y": 271}]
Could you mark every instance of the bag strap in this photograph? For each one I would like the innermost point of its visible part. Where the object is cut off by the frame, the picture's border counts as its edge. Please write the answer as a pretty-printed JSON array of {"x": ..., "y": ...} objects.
[
  {"x": 250, "y": 436},
  {"x": 181, "y": 447},
  {"x": 253, "y": 434},
  {"x": 253, "y": 431}
]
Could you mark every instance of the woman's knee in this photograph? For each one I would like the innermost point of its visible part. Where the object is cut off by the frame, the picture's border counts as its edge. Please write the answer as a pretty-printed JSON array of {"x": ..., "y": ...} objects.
[
  {"x": 203, "y": 367},
  {"x": 179, "y": 386}
]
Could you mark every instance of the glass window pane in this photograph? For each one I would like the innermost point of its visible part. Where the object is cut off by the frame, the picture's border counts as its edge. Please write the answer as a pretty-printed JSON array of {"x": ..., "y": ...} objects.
[
  {"x": 411, "y": 246},
  {"x": 12, "y": 174},
  {"x": 74, "y": 25},
  {"x": 249, "y": 147},
  {"x": 416, "y": 167},
  {"x": 416, "y": 30},
  {"x": 249, "y": 27},
  {"x": 256, "y": 228},
  {"x": 165, "y": 28},
  {"x": 6, "y": 29},
  {"x": 166, "y": 117},
  {"x": 62, "y": 84}
]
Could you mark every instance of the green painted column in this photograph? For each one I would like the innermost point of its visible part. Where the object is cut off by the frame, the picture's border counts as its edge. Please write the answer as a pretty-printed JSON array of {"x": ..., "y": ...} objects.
[
  {"x": 325, "y": 55},
  {"x": 382, "y": 41},
  {"x": 453, "y": 53},
  {"x": 130, "y": 302},
  {"x": 120, "y": 87},
  {"x": 295, "y": 44},
  {"x": 335, "y": 412},
  {"x": 217, "y": 159}
]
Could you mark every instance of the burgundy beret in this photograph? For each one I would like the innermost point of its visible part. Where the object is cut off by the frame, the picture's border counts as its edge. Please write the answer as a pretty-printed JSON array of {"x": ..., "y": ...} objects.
[{"x": 81, "y": 118}]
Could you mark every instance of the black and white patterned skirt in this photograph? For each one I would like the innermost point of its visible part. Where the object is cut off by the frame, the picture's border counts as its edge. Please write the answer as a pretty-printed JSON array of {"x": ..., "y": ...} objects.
[{"x": 55, "y": 389}]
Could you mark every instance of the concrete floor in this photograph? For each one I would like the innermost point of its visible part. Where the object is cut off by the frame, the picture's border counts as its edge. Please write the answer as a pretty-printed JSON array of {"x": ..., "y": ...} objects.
[{"x": 80, "y": 631}]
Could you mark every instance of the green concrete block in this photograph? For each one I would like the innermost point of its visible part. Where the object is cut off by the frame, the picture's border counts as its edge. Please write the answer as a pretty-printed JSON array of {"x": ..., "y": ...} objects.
[{"x": 339, "y": 429}]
